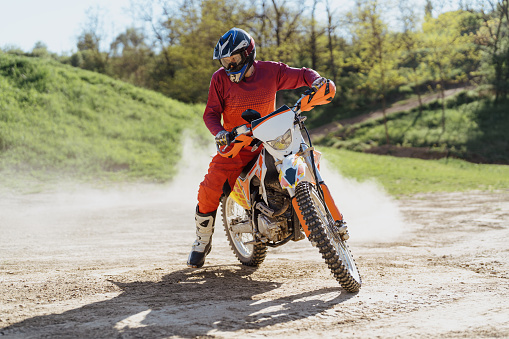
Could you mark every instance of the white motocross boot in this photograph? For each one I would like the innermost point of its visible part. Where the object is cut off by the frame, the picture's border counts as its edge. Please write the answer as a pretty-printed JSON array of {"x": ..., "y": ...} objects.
[{"x": 203, "y": 243}]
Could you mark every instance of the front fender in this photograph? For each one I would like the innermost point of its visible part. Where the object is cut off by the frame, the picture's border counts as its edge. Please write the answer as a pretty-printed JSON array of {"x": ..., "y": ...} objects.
[{"x": 294, "y": 170}]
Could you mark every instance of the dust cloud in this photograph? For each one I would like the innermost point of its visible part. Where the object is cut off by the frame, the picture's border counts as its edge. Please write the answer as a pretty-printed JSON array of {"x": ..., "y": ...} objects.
[{"x": 371, "y": 214}]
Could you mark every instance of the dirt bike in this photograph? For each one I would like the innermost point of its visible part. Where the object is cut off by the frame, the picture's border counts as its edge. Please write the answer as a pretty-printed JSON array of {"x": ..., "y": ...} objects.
[{"x": 280, "y": 195}]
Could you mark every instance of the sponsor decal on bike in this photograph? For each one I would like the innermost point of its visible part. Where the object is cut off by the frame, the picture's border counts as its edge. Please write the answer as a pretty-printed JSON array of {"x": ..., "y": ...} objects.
[
  {"x": 238, "y": 195},
  {"x": 292, "y": 171}
]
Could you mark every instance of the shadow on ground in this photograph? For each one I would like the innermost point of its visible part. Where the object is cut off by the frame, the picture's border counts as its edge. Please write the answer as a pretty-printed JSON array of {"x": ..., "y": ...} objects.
[{"x": 185, "y": 303}]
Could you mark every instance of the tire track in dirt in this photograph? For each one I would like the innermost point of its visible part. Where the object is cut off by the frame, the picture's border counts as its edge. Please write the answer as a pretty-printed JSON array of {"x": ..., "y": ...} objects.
[{"x": 81, "y": 262}]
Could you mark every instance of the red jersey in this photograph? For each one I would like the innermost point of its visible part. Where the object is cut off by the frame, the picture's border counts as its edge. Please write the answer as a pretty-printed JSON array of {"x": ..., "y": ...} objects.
[{"x": 257, "y": 92}]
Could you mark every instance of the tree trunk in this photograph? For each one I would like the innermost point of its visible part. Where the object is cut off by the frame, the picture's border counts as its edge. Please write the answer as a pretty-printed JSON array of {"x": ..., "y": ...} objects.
[
  {"x": 385, "y": 122},
  {"x": 442, "y": 95},
  {"x": 330, "y": 29},
  {"x": 312, "y": 43}
]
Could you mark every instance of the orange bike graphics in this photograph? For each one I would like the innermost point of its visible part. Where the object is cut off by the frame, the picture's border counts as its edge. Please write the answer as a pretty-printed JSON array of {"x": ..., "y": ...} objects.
[
  {"x": 240, "y": 142},
  {"x": 329, "y": 201},
  {"x": 323, "y": 96},
  {"x": 241, "y": 191},
  {"x": 257, "y": 170},
  {"x": 238, "y": 194},
  {"x": 300, "y": 216}
]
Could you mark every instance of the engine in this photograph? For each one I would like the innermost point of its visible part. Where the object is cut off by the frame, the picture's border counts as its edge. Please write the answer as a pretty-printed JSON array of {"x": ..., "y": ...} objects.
[{"x": 274, "y": 228}]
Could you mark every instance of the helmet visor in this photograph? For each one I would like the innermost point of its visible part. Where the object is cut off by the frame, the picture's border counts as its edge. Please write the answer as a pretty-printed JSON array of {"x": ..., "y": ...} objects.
[{"x": 232, "y": 63}]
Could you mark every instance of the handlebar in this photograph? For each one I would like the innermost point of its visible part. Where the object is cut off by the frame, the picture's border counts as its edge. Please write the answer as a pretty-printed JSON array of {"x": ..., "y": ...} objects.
[{"x": 242, "y": 137}]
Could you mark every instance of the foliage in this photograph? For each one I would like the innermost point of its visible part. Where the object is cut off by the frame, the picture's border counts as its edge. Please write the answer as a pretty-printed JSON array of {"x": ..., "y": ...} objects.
[
  {"x": 493, "y": 39},
  {"x": 447, "y": 49},
  {"x": 197, "y": 30},
  {"x": 477, "y": 130},
  {"x": 132, "y": 57},
  {"x": 56, "y": 118}
]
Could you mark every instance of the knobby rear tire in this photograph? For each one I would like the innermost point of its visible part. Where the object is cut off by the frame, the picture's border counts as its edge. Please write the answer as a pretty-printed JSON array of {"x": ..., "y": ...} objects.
[
  {"x": 334, "y": 250},
  {"x": 251, "y": 254}
]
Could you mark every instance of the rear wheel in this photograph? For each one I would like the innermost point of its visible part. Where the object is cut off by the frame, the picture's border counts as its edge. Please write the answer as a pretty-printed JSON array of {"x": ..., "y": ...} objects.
[
  {"x": 325, "y": 235},
  {"x": 236, "y": 222}
]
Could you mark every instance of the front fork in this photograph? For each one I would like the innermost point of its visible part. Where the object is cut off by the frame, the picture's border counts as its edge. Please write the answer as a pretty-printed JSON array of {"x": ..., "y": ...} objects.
[
  {"x": 313, "y": 176},
  {"x": 327, "y": 196}
]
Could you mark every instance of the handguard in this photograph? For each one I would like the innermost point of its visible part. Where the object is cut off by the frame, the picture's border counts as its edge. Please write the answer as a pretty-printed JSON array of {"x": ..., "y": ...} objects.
[
  {"x": 231, "y": 150},
  {"x": 322, "y": 96}
]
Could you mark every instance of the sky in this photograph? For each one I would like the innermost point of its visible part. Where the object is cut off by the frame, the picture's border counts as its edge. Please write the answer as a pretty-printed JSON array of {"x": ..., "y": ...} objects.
[{"x": 57, "y": 23}]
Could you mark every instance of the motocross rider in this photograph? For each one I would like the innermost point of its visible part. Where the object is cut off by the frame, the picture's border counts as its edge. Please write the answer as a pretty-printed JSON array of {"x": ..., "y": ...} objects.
[{"x": 241, "y": 83}]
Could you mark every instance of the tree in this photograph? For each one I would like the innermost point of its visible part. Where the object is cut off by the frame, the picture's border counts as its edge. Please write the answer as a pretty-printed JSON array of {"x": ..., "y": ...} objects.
[
  {"x": 313, "y": 37},
  {"x": 145, "y": 11},
  {"x": 447, "y": 49},
  {"x": 131, "y": 57},
  {"x": 331, "y": 47},
  {"x": 40, "y": 50},
  {"x": 493, "y": 37},
  {"x": 376, "y": 50},
  {"x": 196, "y": 32},
  {"x": 412, "y": 58},
  {"x": 428, "y": 8},
  {"x": 89, "y": 42},
  {"x": 279, "y": 29}
]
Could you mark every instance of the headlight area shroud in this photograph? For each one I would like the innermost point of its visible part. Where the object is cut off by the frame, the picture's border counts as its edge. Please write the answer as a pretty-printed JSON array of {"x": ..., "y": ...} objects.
[{"x": 283, "y": 141}]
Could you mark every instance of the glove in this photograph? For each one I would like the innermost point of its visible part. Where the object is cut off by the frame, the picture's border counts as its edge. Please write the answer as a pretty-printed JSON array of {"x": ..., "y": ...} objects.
[
  {"x": 318, "y": 83},
  {"x": 223, "y": 138}
]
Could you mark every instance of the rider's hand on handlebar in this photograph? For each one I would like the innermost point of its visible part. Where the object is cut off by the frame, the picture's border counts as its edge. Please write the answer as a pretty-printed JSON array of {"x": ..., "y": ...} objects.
[
  {"x": 223, "y": 138},
  {"x": 318, "y": 83}
]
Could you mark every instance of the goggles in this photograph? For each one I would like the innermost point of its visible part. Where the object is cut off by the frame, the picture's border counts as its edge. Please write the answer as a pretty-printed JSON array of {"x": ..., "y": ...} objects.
[{"x": 233, "y": 63}]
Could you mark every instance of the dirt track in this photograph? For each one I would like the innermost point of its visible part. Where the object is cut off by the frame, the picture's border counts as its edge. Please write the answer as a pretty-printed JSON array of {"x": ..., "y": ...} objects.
[{"x": 111, "y": 263}]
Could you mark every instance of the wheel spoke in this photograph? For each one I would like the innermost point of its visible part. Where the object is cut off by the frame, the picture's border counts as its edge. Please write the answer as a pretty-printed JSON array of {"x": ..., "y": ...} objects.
[{"x": 241, "y": 242}]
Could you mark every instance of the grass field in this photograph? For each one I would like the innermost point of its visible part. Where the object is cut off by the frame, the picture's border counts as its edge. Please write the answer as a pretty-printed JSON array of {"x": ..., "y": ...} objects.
[{"x": 405, "y": 176}]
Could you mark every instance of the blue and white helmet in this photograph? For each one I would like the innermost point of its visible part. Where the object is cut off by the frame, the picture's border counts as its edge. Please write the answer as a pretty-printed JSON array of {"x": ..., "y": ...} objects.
[{"x": 236, "y": 52}]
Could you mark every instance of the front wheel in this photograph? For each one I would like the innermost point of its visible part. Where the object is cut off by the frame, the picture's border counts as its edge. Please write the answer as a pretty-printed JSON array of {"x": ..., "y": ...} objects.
[
  {"x": 324, "y": 233},
  {"x": 237, "y": 226}
]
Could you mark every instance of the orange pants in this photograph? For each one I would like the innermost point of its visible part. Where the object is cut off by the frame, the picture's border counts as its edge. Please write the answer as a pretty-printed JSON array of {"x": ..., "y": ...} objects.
[{"x": 222, "y": 170}]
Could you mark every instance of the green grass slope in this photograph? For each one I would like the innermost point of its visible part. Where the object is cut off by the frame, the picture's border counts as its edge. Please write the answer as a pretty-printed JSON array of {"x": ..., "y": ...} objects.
[
  {"x": 475, "y": 130},
  {"x": 58, "y": 119}
]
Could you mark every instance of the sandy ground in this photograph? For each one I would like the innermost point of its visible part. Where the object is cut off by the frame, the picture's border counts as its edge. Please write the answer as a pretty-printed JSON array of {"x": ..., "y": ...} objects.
[{"x": 110, "y": 263}]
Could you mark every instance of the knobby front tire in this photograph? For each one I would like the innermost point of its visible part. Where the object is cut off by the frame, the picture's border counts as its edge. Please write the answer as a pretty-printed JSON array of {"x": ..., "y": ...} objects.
[
  {"x": 248, "y": 254},
  {"x": 324, "y": 235}
]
